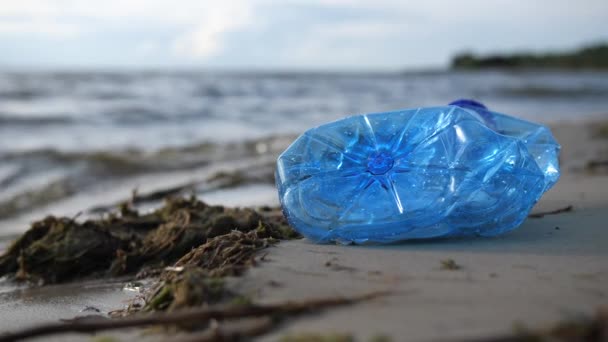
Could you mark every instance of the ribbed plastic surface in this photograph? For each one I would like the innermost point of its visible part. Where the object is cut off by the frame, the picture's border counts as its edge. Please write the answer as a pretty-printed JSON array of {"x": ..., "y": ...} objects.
[{"x": 454, "y": 170}]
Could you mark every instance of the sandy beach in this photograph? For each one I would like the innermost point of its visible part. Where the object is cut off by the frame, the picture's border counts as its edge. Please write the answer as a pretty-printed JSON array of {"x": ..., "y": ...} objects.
[
  {"x": 550, "y": 269},
  {"x": 303, "y": 171}
]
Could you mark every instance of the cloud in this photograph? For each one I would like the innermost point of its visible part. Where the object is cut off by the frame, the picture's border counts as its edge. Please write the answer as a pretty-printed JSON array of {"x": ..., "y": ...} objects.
[
  {"x": 147, "y": 48},
  {"x": 324, "y": 34},
  {"x": 198, "y": 25},
  {"x": 43, "y": 27},
  {"x": 204, "y": 39}
]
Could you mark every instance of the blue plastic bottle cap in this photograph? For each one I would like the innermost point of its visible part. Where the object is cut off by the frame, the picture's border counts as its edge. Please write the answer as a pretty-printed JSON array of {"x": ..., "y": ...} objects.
[{"x": 455, "y": 170}]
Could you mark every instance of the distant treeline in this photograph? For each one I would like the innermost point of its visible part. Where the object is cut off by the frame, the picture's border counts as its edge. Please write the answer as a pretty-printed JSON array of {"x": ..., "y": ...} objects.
[{"x": 591, "y": 57}]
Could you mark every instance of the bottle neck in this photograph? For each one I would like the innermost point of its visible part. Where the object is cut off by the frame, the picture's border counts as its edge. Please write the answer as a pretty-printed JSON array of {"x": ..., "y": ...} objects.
[{"x": 478, "y": 108}]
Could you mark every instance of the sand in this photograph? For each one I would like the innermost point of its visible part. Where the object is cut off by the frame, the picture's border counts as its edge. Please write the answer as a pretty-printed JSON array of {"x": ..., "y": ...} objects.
[
  {"x": 536, "y": 276},
  {"x": 549, "y": 269}
]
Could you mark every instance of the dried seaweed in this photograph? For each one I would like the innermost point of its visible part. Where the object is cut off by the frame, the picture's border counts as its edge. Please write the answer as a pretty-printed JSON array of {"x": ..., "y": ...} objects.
[
  {"x": 228, "y": 255},
  {"x": 56, "y": 250},
  {"x": 600, "y": 130},
  {"x": 59, "y": 249},
  {"x": 450, "y": 265},
  {"x": 197, "y": 278}
]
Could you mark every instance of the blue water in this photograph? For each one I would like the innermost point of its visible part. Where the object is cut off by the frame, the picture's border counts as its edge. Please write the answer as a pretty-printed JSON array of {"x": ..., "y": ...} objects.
[
  {"x": 62, "y": 131},
  {"x": 100, "y": 111}
]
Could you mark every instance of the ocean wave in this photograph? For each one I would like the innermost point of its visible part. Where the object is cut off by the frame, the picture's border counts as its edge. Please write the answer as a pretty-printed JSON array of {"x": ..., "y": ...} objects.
[
  {"x": 12, "y": 120},
  {"x": 136, "y": 114},
  {"x": 21, "y": 94},
  {"x": 75, "y": 172},
  {"x": 550, "y": 92},
  {"x": 165, "y": 159},
  {"x": 37, "y": 197}
]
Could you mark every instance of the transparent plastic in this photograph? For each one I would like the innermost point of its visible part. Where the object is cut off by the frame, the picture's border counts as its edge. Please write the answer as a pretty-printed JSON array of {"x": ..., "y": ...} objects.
[{"x": 456, "y": 170}]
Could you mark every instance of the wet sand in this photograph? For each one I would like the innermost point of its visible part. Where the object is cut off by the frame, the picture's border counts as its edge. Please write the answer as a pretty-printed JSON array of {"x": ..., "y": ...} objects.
[
  {"x": 535, "y": 276},
  {"x": 549, "y": 269}
]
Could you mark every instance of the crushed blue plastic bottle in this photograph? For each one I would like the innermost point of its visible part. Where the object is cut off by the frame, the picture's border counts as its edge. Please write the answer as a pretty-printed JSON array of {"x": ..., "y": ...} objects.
[{"x": 456, "y": 170}]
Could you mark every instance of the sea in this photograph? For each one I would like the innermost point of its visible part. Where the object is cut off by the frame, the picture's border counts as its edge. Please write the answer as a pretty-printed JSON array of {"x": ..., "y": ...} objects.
[{"x": 77, "y": 143}]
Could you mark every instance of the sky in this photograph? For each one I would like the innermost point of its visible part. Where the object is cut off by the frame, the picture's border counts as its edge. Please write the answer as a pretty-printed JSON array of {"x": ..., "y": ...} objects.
[{"x": 286, "y": 34}]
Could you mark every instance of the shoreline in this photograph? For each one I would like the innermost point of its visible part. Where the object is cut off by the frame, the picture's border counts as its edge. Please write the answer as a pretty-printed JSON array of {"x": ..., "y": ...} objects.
[{"x": 579, "y": 147}]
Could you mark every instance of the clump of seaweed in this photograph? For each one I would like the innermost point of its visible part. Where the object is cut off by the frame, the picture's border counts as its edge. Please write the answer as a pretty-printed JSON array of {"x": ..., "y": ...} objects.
[
  {"x": 186, "y": 225},
  {"x": 56, "y": 250},
  {"x": 197, "y": 278},
  {"x": 59, "y": 249},
  {"x": 600, "y": 130},
  {"x": 193, "y": 287},
  {"x": 450, "y": 265},
  {"x": 230, "y": 254}
]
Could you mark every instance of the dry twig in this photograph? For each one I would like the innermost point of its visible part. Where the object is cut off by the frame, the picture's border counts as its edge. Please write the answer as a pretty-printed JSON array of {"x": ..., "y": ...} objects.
[
  {"x": 199, "y": 315},
  {"x": 552, "y": 212}
]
